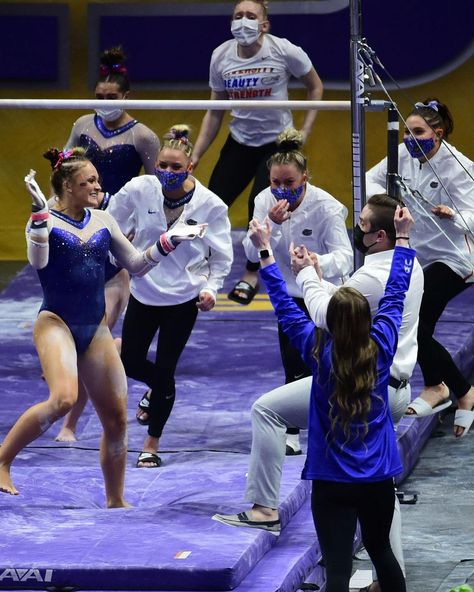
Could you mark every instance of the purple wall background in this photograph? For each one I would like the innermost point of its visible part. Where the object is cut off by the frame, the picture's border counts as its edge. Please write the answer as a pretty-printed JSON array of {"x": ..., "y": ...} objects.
[{"x": 416, "y": 41}]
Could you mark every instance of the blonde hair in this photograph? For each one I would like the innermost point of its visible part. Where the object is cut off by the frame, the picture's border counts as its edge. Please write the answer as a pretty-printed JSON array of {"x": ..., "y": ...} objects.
[
  {"x": 289, "y": 143},
  {"x": 177, "y": 138},
  {"x": 262, "y": 3}
]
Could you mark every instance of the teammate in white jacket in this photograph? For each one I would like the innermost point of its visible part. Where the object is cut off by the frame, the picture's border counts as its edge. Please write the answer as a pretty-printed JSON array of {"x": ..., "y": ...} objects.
[
  {"x": 439, "y": 190},
  {"x": 187, "y": 280},
  {"x": 300, "y": 213}
]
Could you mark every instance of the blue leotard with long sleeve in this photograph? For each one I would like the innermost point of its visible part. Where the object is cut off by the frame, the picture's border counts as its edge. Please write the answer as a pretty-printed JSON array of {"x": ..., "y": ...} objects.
[
  {"x": 73, "y": 280},
  {"x": 116, "y": 164}
]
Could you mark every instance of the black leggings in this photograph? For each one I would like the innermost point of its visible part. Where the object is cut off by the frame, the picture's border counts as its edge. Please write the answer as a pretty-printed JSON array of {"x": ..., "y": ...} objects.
[
  {"x": 336, "y": 508},
  {"x": 237, "y": 166},
  {"x": 140, "y": 325},
  {"x": 437, "y": 365}
]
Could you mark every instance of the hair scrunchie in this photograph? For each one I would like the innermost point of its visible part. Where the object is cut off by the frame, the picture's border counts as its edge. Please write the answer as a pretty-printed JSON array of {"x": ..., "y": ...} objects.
[
  {"x": 430, "y": 105},
  {"x": 105, "y": 70},
  {"x": 63, "y": 155}
]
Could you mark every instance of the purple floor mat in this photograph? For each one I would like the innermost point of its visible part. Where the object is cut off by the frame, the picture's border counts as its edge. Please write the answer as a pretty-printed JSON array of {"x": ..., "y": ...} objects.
[
  {"x": 58, "y": 524},
  {"x": 167, "y": 540}
]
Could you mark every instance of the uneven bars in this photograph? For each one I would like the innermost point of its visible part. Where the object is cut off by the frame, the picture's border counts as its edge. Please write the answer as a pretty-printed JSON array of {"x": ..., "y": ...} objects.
[{"x": 224, "y": 105}]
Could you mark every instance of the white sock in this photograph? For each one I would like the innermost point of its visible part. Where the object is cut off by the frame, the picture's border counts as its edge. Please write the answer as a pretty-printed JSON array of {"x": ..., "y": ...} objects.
[{"x": 293, "y": 441}]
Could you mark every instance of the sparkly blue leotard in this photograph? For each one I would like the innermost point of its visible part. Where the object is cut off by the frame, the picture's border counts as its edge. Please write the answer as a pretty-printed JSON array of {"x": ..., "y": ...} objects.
[
  {"x": 73, "y": 281},
  {"x": 115, "y": 164},
  {"x": 111, "y": 270}
]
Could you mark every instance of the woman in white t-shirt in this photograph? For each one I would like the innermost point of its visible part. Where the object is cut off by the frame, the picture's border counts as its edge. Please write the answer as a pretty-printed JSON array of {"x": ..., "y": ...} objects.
[{"x": 253, "y": 65}]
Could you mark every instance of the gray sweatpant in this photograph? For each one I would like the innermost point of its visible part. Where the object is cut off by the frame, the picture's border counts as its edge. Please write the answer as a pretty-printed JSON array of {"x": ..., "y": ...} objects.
[{"x": 288, "y": 407}]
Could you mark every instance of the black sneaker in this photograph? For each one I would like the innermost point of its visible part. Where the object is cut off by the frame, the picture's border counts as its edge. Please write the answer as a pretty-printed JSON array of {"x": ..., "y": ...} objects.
[
  {"x": 290, "y": 451},
  {"x": 243, "y": 519}
]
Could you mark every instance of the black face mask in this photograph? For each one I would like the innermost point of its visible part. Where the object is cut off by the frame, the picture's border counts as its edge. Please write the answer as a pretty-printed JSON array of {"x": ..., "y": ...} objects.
[{"x": 359, "y": 239}]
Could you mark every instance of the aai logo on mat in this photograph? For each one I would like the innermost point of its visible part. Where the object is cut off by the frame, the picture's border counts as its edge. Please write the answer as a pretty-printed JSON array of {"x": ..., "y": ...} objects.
[{"x": 24, "y": 575}]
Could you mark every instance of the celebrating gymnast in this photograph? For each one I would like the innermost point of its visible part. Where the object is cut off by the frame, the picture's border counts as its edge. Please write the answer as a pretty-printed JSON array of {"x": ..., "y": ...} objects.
[{"x": 68, "y": 245}]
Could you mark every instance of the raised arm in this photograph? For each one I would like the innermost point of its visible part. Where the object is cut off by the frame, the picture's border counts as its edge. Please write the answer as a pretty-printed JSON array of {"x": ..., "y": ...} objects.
[
  {"x": 37, "y": 230},
  {"x": 294, "y": 321},
  {"x": 388, "y": 319},
  {"x": 140, "y": 262}
]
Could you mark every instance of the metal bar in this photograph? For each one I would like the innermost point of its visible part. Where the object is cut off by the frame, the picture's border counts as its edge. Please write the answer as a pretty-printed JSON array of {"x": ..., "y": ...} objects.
[
  {"x": 393, "y": 125},
  {"x": 358, "y": 119},
  {"x": 221, "y": 105}
]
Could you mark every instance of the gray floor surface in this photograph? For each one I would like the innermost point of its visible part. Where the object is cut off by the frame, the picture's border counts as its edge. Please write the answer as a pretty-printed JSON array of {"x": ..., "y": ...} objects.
[{"x": 438, "y": 531}]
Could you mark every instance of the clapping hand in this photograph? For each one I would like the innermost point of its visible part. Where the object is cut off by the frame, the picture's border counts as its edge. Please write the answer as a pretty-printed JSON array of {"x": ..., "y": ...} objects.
[
  {"x": 443, "y": 211},
  {"x": 301, "y": 258},
  {"x": 260, "y": 234},
  {"x": 403, "y": 221}
]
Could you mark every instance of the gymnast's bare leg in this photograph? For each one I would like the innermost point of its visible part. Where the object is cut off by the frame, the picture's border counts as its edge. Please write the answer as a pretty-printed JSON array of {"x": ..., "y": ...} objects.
[
  {"x": 57, "y": 354},
  {"x": 102, "y": 371},
  {"x": 117, "y": 292}
]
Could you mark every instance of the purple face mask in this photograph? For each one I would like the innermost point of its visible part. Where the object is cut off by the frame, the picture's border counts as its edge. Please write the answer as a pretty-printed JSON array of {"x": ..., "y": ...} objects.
[
  {"x": 291, "y": 195},
  {"x": 170, "y": 180},
  {"x": 418, "y": 148}
]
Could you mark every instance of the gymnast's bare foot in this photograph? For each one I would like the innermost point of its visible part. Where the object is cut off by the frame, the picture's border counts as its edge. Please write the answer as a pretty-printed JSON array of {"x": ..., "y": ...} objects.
[
  {"x": 66, "y": 435},
  {"x": 6, "y": 483}
]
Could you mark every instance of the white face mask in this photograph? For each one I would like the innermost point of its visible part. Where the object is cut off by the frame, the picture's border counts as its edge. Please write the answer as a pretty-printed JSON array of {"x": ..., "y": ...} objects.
[
  {"x": 245, "y": 31},
  {"x": 109, "y": 114}
]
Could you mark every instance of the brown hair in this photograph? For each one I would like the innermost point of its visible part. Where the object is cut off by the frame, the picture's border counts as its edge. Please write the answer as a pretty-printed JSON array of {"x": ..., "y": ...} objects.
[
  {"x": 65, "y": 165},
  {"x": 436, "y": 115},
  {"x": 113, "y": 69},
  {"x": 177, "y": 138},
  {"x": 382, "y": 211},
  {"x": 353, "y": 360}
]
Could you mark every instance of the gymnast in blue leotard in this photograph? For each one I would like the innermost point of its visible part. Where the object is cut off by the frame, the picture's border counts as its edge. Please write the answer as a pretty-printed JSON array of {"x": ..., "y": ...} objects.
[
  {"x": 68, "y": 246},
  {"x": 119, "y": 147},
  {"x": 117, "y": 144}
]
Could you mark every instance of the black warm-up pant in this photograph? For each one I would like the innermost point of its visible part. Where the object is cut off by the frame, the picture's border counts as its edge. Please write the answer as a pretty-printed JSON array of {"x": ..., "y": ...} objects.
[
  {"x": 436, "y": 363},
  {"x": 336, "y": 508},
  {"x": 237, "y": 166},
  {"x": 140, "y": 325}
]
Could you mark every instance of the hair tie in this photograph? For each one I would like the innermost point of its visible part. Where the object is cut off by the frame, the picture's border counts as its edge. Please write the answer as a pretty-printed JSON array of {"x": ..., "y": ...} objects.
[
  {"x": 178, "y": 135},
  {"x": 431, "y": 105},
  {"x": 288, "y": 146},
  {"x": 62, "y": 156},
  {"x": 105, "y": 70}
]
